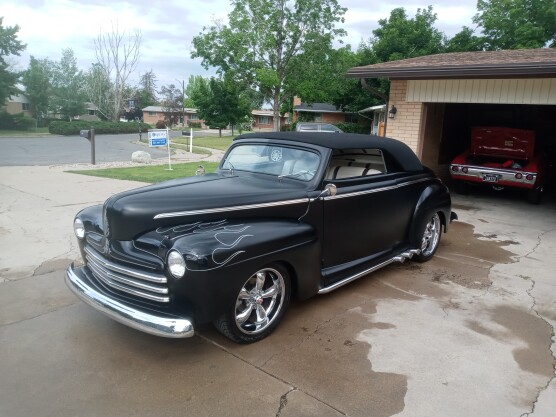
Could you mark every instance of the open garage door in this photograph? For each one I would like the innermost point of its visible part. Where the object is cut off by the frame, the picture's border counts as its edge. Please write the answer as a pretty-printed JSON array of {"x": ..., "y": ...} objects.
[{"x": 447, "y": 128}]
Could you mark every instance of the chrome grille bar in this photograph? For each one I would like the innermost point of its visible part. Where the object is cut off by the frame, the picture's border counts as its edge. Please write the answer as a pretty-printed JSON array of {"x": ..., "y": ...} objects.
[
  {"x": 131, "y": 281},
  {"x": 161, "y": 279}
]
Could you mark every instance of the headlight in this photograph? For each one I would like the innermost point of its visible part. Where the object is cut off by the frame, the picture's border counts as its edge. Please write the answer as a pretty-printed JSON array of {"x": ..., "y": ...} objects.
[
  {"x": 78, "y": 228},
  {"x": 176, "y": 264}
]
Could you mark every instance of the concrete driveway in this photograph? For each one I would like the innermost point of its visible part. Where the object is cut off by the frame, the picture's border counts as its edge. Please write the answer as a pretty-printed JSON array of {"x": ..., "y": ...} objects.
[{"x": 470, "y": 333}]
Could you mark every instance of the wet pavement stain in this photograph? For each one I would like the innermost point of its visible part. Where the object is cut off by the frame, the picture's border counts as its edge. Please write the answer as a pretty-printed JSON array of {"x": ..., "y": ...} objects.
[
  {"x": 465, "y": 259},
  {"x": 536, "y": 357}
]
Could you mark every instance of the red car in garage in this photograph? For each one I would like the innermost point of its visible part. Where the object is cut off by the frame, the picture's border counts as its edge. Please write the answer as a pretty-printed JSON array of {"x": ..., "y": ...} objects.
[{"x": 501, "y": 157}]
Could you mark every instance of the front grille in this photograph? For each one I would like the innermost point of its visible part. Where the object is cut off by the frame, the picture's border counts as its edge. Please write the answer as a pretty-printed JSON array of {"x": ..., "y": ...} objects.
[{"x": 125, "y": 279}]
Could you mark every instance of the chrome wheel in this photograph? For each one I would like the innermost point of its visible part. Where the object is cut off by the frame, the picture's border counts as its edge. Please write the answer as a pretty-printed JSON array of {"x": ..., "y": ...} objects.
[
  {"x": 431, "y": 236},
  {"x": 260, "y": 301}
]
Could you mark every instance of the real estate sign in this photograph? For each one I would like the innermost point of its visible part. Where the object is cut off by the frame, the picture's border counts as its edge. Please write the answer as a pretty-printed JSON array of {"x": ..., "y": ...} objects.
[{"x": 158, "y": 138}]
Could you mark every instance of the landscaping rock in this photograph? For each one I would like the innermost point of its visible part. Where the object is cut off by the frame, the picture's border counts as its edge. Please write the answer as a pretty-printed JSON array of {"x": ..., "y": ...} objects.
[{"x": 141, "y": 157}]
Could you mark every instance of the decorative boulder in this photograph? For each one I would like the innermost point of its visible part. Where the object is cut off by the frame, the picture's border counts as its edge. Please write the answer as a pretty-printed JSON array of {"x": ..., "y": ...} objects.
[{"x": 141, "y": 156}]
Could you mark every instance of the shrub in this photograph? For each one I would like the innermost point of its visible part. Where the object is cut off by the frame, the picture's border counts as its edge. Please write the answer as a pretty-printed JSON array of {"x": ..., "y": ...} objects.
[
  {"x": 16, "y": 121},
  {"x": 354, "y": 128},
  {"x": 72, "y": 128},
  {"x": 194, "y": 124},
  {"x": 285, "y": 128},
  {"x": 160, "y": 124}
]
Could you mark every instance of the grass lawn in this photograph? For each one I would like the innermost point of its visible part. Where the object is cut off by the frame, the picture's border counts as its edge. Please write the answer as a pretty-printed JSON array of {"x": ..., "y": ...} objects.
[
  {"x": 222, "y": 143},
  {"x": 154, "y": 173}
]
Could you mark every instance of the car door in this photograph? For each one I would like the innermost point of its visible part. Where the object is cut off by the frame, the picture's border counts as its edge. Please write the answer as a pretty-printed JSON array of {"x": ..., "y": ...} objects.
[{"x": 368, "y": 217}]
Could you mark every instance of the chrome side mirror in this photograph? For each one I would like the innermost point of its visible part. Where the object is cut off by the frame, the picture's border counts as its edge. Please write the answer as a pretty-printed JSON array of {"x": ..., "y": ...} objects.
[{"x": 330, "y": 190}]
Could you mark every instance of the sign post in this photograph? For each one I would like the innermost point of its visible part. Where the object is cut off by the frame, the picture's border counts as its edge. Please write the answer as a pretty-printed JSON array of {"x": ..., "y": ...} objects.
[{"x": 160, "y": 137}]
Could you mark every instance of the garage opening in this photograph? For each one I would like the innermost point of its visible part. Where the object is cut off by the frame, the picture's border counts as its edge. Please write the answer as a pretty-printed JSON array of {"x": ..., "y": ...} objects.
[{"x": 447, "y": 131}]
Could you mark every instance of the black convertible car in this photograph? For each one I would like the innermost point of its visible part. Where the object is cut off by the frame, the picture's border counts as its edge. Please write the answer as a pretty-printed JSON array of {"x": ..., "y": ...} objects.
[{"x": 285, "y": 215}]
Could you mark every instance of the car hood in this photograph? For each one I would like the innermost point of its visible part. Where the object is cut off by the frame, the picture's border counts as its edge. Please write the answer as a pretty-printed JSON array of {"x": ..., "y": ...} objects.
[{"x": 187, "y": 200}]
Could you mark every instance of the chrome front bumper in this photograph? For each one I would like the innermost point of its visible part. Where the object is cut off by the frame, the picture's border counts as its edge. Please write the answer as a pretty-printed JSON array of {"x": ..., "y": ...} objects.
[{"x": 173, "y": 327}]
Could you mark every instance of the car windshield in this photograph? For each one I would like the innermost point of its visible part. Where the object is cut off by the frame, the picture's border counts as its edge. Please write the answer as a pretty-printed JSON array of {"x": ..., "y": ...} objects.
[{"x": 281, "y": 161}]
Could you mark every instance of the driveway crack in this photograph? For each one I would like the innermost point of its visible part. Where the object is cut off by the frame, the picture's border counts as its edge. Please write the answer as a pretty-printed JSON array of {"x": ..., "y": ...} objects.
[
  {"x": 284, "y": 401},
  {"x": 552, "y": 334},
  {"x": 293, "y": 387}
]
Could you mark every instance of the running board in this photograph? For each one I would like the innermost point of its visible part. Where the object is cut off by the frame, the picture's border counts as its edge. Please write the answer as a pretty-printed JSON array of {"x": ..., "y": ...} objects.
[{"x": 398, "y": 258}]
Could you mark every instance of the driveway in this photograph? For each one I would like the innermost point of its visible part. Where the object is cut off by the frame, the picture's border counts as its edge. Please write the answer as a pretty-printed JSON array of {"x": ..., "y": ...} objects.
[{"x": 469, "y": 333}]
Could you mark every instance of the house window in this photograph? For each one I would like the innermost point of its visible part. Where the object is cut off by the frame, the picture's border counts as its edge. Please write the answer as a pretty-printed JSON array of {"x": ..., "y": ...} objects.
[
  {"x": 152, "y": 113},
  {"x": 318, "y": 117},
  {"x": 264, "y": 120},
  {"x": 25, "y": 106},
  {"x": 91, "y": 112},
  {"x": 193, "y": 117}
]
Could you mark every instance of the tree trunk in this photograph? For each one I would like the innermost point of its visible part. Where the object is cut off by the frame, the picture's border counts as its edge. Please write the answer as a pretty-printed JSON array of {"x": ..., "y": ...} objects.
[
  {"x": 276, "y": 110},
  {"x": 219, "y": 132}
]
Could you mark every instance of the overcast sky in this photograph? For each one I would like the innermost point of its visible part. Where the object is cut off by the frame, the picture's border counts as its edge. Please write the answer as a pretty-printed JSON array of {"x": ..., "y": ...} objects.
[{"x": 168, "y": 26}]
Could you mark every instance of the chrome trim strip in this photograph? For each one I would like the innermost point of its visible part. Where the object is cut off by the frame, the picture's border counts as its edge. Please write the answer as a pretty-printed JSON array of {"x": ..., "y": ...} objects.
[
  {"x": 231, "y": 208},
  {"x": 376, "y": 190},
  {"x": 179, "y": 327},
  {"x": 159, "y": 279},
  {"x": 105, "y": 273},
  {"x": 398, "y": 258}
]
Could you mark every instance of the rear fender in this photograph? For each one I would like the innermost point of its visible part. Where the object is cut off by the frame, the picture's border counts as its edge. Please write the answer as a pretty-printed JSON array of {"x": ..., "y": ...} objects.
[{"x": 435, "y": 198}]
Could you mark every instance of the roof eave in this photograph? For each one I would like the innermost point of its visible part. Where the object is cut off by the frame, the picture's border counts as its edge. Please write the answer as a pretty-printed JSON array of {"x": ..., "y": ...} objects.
[{"x": 463, "y": 71}]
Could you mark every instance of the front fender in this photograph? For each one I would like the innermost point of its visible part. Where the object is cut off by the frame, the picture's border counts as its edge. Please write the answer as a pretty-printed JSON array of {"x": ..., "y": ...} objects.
[
  {"x": 221, "y": 256},
  {"x": 228, "y": 243},
  {"x": 435, "y": 198}
]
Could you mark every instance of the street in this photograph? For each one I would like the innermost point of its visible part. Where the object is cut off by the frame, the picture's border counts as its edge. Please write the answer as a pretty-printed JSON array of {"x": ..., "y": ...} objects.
[{"x": 52, "y": 150}]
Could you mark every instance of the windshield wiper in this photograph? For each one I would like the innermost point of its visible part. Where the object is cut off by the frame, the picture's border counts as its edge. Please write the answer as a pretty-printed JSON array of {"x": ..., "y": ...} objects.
[{"x": 295, "y": 174}]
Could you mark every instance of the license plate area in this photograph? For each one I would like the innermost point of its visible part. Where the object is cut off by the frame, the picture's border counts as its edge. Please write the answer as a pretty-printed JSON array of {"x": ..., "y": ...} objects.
[{"x": 491, "y": 177}]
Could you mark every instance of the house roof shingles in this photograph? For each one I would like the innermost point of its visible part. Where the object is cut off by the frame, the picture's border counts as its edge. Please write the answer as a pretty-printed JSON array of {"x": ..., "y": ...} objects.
[
  {"x": 317, "y": 107},
  {"x": 484, "y": 64}
]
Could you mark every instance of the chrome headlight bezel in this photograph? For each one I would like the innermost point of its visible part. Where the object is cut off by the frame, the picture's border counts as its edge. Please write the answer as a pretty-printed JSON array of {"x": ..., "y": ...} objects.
[
  {"x": 176, "y": 264},
  {"x": 79, "y": 228}
]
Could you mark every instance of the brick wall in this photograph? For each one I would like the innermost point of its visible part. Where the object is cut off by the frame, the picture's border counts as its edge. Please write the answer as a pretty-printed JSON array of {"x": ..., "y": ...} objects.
[{"x": 407, "y": 123}]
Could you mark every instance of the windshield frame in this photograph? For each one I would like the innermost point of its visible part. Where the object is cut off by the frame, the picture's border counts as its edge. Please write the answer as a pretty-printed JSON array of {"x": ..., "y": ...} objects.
[{"x": 288, "y": 153}]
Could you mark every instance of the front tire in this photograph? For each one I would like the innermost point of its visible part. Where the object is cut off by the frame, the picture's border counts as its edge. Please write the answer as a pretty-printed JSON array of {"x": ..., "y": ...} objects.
[
  {"x": 258, "y": 307},
  {"x": 430, "y": 238}
]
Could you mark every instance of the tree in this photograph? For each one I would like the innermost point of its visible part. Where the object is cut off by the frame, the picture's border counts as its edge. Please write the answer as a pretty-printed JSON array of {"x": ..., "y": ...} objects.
[
  {"x": 117, "y": 54},
  {"x": 172, "y": 103},
  {"x": 514, "y": 24},
  {"x": 220, "y": 103},
  {"x": 9, "y": 45},
  {"x": 99, "y": 90},
  {"x": 194, "y": 84},
  {"x": 258, "y": 46},
  {"x": 399, "y": 37},
  {"x": 68, "y": 87},
  {"x": 465, "y": 41},
  {"x": 36, "y": 80}
]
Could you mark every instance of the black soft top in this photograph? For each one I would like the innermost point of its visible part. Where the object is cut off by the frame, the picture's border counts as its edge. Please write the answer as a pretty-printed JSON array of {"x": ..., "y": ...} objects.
[{"x": 398, "y": 150}]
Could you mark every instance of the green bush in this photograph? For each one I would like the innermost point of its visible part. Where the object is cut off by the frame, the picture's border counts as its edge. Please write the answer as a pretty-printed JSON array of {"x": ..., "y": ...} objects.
[
  {"x": 354, "y": 128},
  {"x": 193, "y": 124},
  {"x": 285, "y": 128},
  {"x": 16, "y": 121},
  {"x": 73, "y": 128}
]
